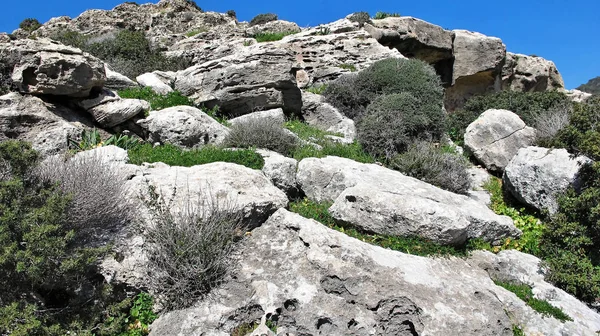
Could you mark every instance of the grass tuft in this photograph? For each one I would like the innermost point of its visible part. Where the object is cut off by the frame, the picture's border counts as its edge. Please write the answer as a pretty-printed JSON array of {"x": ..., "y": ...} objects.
[
  {"x": 524, "y": 293},
  {"x": 270, "y": 37},
  {"x": 157, "y": 101}
]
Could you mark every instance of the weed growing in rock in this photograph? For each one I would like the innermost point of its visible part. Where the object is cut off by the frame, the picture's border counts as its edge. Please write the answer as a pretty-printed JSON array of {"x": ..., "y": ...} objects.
[
  {"x": 307, "y": 132},
  {"x": 231, "y": 13},
  {"x": 517, "y": 331},
  {"x": 323, "y": 31},
  {"x": 175, "y": 156},
  {"x": 349, "y": 67},
  {"x": 262, "y": 133},
  {"x": 410, "y": 245},
  {"x": 270, "y": 37},
  {"x": 524, "y": 293},
  {"x": 263, "y": 18},
  {"x": 317, "y": 89},
  {"x": 30, "y": 24},
  {"x": 383, "y": 15},
  {"x": 91, "y": 139},
  {"x": 361, "y": 18},
  {"x": 157, "y": 101},
  {"x": 353, "y": 151},
  {"x": 195, "y": 32}
]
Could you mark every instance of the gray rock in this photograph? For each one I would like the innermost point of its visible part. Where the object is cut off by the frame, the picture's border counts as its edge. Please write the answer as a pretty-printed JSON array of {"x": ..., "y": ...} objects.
[
  {"x": 479, "y": 177},
  {"x": 381, "y": 200},
  {"x": 577, "y": 96},
  {"x": 154, "y": 82},
  {"x": 530, "y": 73},
  {"x": 277, "y": 26},
  {"x": 184, "y": 126},
  {"x": 275, "y": 115},
  {"x": 117, "y": 81},
  {"x": 317, "y": 112},
  {"x": 536, "y": 176},
  {"x": 43, "y": 66},
  {"x": 115, "y": 112},
  {"x": 281, "y": 171},
  {"x": 496, "y": 136},
  {"x": 47, "y": 126},
  {"x": 512, "y": 265},
  {"x": 259, "y": 77},
  {"x": 104, "y": 96},
  {"x": 318, "y": 281}
]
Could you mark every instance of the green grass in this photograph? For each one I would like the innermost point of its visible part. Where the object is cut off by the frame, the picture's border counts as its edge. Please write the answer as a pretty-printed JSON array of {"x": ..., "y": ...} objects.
[
  {"x": 349, "y": 67},
  {"x": 317, "y": 89},
  {"x": 195, "y": 32},
  {"x": 531, "y": 226},
  {"x": 270, "y": 37},
  {"x": 353, "y": 151},
  {"x": 410, "y": 245},
  {"x": 175, "y": 156},
  {"x": 307, "y": 132},
  {"x": 524, "y": 293},
  {"x": 157, "y": 101}
]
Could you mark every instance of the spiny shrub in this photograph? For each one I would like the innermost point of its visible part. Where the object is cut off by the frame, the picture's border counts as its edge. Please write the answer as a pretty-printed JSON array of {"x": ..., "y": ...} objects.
[
  {"x": 263, "y": 18},
  {"x": 189, "y": 245},
  {"x": 422, "y": 160},
  {"x": 30, "y": 24},
  {"x": 262, "y": 133},
  {"x": 157, "y": 101},
  {"x": 550, "y": 122},
  {"x": 231, "y": 13},
  {"x": 347, "y": 96},
  {"x": 391, "y": 122},
  {"x": 383, "y": 15},
  {"x": 361, "y": 18}
]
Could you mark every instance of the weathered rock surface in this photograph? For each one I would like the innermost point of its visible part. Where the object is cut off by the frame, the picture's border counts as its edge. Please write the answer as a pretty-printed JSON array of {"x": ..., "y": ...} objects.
[
  {"x": 380, "y": 200},
  {"x": 152, "y": 81},
  {"x": 260, "y": 77},
  {"x": 496, "y": 136},
  {"x": 115, "y": 112},
  {"x": 117, "y": 81},
  {"x": 536, "y": 176},
  {"x": 46, "y": 125},
  {"x": 43, "y": 66},
  {"x": 479, "y": 177},
  {"x": 184, "y": 126},
  {"x": 274, "y": 115},
  {"x": 281, "y": 171},
  {"x": 530, "y": 73},
  {"x": 317, "y": 281},
  {"x": 578, "y": 96},
  {"x": 277, "y": 26},
  {"x": 515, "y": 266},
  {"x": 317, "y": 112},
  {"x": 477, "y": 68}
]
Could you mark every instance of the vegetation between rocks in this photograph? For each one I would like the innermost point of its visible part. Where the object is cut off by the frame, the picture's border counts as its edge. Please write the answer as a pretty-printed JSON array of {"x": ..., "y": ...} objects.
[
  {"x": 270, "y": 37},
  {"x": 262, "y": 133},
  {"x": 383, "y": 15},
  {"x": 30, "y": 24},
  {"x": 157, "y": 101},
  {"x": 263, "y": 18},
  {"x": 524, "y": 293}
]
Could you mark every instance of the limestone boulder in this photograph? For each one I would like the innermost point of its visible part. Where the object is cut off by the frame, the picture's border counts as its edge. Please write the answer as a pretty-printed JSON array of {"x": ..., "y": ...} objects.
[
  {"x": 281, "y": 171},
  {"x": 536, "y": 176},
  {"x": 117, "y": 81},
  {"x": 183, "y": 126},
  {"x": 318, "y": 281},
  {"x": 274, "y": 115},
  {"x": 530, "y": 74},
  {"x": 380, "y": 200},
  {"x": 496, "y": 136},
  {"x": 317, "y": 112},
  {"x": 277, "y": 26},
  {"x": 115, "y": 112},
  {"x": 43, "y": 66},
  {"x": 154, "y": 82}
]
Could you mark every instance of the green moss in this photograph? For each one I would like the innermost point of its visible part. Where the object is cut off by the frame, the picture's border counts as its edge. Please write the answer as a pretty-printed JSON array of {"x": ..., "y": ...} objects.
[
  {"x": 175, "y": 156},
  {"x": 524, "y": 293}
]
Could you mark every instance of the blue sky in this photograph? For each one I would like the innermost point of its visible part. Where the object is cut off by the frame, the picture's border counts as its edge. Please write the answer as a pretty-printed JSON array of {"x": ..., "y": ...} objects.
[{"x": 566, "y": 32}]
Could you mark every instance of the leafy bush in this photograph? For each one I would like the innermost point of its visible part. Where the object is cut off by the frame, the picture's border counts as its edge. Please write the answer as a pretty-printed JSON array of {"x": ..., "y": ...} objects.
[
  {"x": 231, "y": 13},
  {"x": 91, "y": 139},
  {"x": 361, "y": 18},
  {"x": 30, "y": 24},
  {"x": 270, "y": 37},
  {"x": 425, "y": 162},
  {"x": 393, "y": 121},
  {"x": 410, "y": 245},
  {"x": 261, "y": 133},
  {"x": 526, "y": 105},
  {"x": 175, "y": 156},
  {"x": 157, "y": 101},
  {"x": 524, "y": 293},
  {"x": 188, "y": 246},
  {"x": 128, "y": 52},
  {"x": 263, "y": 18},
  {"x": 347, "y": 96},
  {"x": 383, "y": 15}
]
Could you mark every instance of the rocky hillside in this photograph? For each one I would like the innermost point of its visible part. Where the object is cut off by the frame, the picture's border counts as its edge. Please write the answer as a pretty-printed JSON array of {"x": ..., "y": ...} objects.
[
  {"x": 169, "y": 171},
  {"x": 592, "y": 86}
]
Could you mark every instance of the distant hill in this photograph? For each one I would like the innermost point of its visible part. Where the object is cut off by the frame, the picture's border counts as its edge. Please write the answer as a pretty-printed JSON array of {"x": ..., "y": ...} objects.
[{"x": 592, "y": 86}]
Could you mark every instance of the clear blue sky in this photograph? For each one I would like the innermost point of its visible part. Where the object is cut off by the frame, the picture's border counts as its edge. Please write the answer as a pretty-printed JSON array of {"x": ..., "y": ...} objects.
[{"x": 566, "y": 32}]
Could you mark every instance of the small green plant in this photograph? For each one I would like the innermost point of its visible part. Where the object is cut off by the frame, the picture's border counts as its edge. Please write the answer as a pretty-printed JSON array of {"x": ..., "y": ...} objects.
[
  {"x": 196, "y": 32},
  {"x": 215, "y": 113},
  {"x": 307, "y": 132},
  {"x": 524, "y": 293},
  {"x": 244, "y": 329},
  {"x": 175, "y": 156},
  {"x": 323, "y": 31},
  {"x": 271, "y": 325},
  {"x": 30, "y": 24},
  {"x": 383, "y": 15},
  {"x": 141, "y": 315},
  {"x": 410, "y": 245},
  {"x": 517, "y": 331},
  {"x": 270, "y": 37},
  {"x": 248, "y": 43},
  {"x": 349, "y": 67},
  {"x": 317, "y": 89},
  {"x": 157, "y": 101},
  {"x": 123, "y": 141},
  {"x": 263, "y": 18},
  {"x": 89, "y": 139},
  {"x": 361, "y": 18}
]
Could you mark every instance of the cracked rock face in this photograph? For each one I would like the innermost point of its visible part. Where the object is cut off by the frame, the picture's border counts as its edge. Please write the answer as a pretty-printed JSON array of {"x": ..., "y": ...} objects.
[{"x": 496, "y": 136}]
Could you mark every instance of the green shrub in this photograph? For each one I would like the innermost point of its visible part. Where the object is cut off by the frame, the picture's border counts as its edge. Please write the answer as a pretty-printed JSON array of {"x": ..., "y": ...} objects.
[
  {"x": 307, "y": 132},
  {"x": 383, "y": 15},
  {"x": 317, "y": 89},
  {"x": 231, "y": 13},
  {"x": 524, "y": 293},
  {"x": 345, "y": 95},
  {"x": 91, "y": 139},
  {"x": 361, "y": 18},
  {"x": 188, "y": 249},
  {"x": 30, "y": 24},
  {"x": 175, "y": 156},
  {"x": 261, "y": 133},
  {"x": 270, "y": 37},
  {"x": 157, "y": 101},
  {"x": 323, "y": 31},
  {"x": 425, "y": 162},
  {"x": 263, "y": 18},
  {"x": 410, "y": 245},
  {"x": 391, "y": 122}
]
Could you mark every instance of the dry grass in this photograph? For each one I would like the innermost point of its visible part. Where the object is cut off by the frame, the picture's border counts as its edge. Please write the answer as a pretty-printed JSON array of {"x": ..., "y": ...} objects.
[
  {"x": 262, "y": 133},
  {"x": 548, "y": 123}
]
